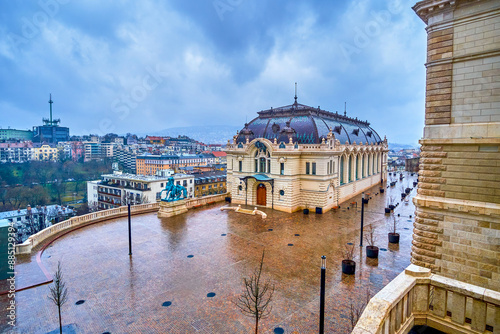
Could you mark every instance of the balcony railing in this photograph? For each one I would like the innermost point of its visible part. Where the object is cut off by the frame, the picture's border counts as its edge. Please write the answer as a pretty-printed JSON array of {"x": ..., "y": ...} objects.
[{"x": 417, "y": 297}]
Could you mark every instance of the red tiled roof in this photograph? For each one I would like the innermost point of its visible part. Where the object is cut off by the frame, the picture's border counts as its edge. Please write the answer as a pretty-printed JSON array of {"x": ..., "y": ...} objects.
[{"x": 219, "y": 153}]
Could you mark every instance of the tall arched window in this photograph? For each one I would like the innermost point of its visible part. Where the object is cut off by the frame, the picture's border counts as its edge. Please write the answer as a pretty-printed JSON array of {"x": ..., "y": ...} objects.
[
  {"x": 350, "y": 168},
  {"x": 363, "y": 173},
  {"x": 368, "y": 165},
  {"x": 357, "y": 167},
  {"x": 373, "y": 164},
  {"x": 342, "y": 170}
]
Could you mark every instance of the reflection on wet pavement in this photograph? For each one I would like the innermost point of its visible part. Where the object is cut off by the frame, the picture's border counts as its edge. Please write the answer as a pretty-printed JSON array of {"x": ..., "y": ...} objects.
[{"x": 186, "y": 271}]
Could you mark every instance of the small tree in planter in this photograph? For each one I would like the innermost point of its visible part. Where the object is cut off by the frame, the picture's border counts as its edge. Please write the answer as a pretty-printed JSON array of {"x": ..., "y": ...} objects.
[
  {"x": 393, "y": 235},
  {"x": 348, "y": 264},
  {"x": 407, "y": 189},
  {"x": 402, "y": 189},
  {"x": 390, "y": 204},
  {"x": 371, "y": 249}
]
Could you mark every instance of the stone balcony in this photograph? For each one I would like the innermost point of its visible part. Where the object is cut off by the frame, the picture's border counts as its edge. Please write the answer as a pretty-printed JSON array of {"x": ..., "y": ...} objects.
[{"x": 417, "y": 297}]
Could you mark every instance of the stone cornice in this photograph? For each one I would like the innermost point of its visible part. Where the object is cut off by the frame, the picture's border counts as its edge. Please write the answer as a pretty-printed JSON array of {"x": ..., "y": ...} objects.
[
  {"x": 427, "y": 8},
  {"x": 456, "y": 205}
]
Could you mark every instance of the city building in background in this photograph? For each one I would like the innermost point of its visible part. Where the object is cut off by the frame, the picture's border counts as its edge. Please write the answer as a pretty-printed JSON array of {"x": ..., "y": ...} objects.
[
  {"x": 149, "y": 164},
  {"x": 113, "y": 190},
  {"x": 16, "y": 152},
  {"x": 210, "y": 183},
  {"x": 50, "y": 132},
  {"x": 13, "y": 134},
  {"x": 45, "y": 152}
]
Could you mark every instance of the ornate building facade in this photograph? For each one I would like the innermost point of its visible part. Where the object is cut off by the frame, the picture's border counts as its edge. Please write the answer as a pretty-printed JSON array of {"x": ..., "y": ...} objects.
[
  {"x": 457, "y": 227},
  {"x": 300, "y": 157}
]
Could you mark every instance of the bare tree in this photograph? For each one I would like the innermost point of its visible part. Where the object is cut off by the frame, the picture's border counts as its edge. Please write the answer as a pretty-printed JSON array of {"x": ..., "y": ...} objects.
[
  {"x": 59, "y": 292},
  {"x": 255, "y": 300},
  {"x": 355, "y": 311}
]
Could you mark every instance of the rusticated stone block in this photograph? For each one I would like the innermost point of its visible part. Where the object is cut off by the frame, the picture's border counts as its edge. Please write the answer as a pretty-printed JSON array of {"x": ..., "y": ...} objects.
[
  {"x": 421, "y": 245},
  {"x": 433, "y": 154},
  {"x": 434, "y": 167},
  {"x": 431, "y": 161},
  {"x": 430, "y": 173},
  {"x": 429, "y": 215},
  {"x": 427, "y": 148},
  {"x": 435, "y": 193},
  {"x": 432, "y": 186},
  {"x": 429, "y": 235},
  {"x": 428, "y": 228},
  {"x": 432, "y": 267},
  {"x": 427, "y": 240},
  {"x": 425, "y": 179},
  {"x": 423, "y": 258},
  {"x": 435, "y": 121}
]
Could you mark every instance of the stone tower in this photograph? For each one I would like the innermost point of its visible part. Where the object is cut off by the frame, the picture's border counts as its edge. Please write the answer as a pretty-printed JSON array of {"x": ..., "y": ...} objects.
[{"x": 457, "y": 225}]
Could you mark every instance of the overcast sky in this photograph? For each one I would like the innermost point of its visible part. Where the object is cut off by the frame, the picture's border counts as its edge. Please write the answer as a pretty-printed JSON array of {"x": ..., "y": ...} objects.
[{"x": 143, "y": 66}]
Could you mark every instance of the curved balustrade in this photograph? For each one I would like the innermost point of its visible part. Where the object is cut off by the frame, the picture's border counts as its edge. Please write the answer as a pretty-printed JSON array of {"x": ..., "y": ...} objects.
[
  {"x": 74, "y": 222},
  {"x": 94, "y": 217},
  {"x": 417, "y": 297}
]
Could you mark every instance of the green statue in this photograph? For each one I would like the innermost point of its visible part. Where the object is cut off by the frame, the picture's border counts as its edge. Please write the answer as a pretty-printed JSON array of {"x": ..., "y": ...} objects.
[{"x": 174, "y": 192}]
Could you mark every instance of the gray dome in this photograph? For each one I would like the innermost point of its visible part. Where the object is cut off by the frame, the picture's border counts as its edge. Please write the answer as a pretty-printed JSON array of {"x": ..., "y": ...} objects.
[{"x": 307, "y": 125}]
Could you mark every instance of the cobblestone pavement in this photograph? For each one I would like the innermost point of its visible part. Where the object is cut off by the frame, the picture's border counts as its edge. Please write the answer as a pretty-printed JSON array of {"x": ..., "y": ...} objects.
[{"x": 184, "y": 258}]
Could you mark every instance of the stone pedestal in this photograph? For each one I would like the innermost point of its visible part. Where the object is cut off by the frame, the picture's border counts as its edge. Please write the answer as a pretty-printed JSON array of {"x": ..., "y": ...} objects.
[{"x": 169, "y": 209}]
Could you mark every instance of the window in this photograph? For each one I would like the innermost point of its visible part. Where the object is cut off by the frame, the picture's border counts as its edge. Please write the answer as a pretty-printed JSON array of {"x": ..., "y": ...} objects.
[
  {"x": 269, "y": 165},
  {"x": 190, "y": 181},
  {"x": 282, "y": 168},
  {"x": 328, "y": 171},
  {"x": 161, "y": 184},
  {"x": 357, "y": 168},
  {"x": 349, "y": 169},
  {"x": 363, "y": 167},
  {"x": 333, "y": 167},
  {"x": 313, "y": 168},
  {"x": 262, "y": 165},
  {"x": 307, "y": 167},
  {"x": 240, "y": 165},
  {"x": 210, "y": 187}
]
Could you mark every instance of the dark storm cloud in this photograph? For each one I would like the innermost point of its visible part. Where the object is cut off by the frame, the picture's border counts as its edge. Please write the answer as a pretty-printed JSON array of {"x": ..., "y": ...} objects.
[{"x": 144, "y": 66}]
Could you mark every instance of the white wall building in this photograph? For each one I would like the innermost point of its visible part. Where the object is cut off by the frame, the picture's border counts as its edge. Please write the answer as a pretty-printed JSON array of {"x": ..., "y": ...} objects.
[
  {"x": 298, "y": 157},
  {"x": 113, "y": 190}
]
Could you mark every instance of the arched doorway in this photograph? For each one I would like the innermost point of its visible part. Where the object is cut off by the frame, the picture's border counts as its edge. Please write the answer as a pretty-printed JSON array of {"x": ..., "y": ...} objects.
[{"x": 261, "y": 194}]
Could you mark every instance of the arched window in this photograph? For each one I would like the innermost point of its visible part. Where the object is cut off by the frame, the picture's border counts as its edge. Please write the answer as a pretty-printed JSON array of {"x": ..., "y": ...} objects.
[
  {"x": 350, "y": 168},
  {"x": 342, "y": 170},
  {"x": 357, "y": 167},
  {"x": 262, "y": 162},
  {"x": 368, "y": 165},
  {"x": 363, "y": 173},
  {"x": 373, "y": 164}
]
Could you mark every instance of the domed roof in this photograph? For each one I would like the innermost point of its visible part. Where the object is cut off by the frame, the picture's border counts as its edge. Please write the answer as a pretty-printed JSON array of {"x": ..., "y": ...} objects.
[{"x": 307, "y": 125}]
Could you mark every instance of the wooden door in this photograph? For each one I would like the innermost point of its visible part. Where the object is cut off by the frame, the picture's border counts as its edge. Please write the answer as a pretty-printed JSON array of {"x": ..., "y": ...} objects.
[{"x": 261, "y": 194}]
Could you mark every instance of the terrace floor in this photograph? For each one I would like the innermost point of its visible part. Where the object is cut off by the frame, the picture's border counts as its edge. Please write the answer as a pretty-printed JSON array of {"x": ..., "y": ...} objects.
[{"x": 180, "y": 261}]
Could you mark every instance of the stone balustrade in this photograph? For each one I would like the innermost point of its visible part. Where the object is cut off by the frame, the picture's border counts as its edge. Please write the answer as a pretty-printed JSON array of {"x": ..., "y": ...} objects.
[
  {"x": 94, "y": 217},
  {"x": 417, "y": 297}
]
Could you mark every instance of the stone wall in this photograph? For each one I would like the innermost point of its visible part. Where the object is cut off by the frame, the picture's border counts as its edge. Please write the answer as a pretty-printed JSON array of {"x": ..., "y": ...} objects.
[{"x": 457, "y": 224}]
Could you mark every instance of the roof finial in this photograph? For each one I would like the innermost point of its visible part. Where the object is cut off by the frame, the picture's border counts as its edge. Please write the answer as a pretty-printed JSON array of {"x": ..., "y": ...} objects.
[
  {"x": 345, "y": 108},
  {"x": 295, "y": 94}
]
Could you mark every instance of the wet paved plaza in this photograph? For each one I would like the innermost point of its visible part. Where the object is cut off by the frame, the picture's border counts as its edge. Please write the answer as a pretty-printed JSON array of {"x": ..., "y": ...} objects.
[{"x": 186, "y": 271}]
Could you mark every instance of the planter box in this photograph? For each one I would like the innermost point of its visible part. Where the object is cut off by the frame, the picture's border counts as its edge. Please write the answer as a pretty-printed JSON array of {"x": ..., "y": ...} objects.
[
  {"x": 394, "y": 238},
  {"x": 348, "y": 267},
  {"x": 372, "y": 252}
]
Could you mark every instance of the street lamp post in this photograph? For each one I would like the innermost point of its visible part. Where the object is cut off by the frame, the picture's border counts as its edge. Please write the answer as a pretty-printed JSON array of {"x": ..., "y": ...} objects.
[
  {"x": 129, "y": 199},
  {"x": 362, "y": 217},
  {"x": 322, "y": 297}
]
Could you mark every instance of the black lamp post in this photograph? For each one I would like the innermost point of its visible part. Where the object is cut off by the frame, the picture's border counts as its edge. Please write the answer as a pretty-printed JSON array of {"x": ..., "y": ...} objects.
[
  {"x": 129, "y": 199},
  {"x": 362, "y": 217},
  {"x": 322, "y": 297}
]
